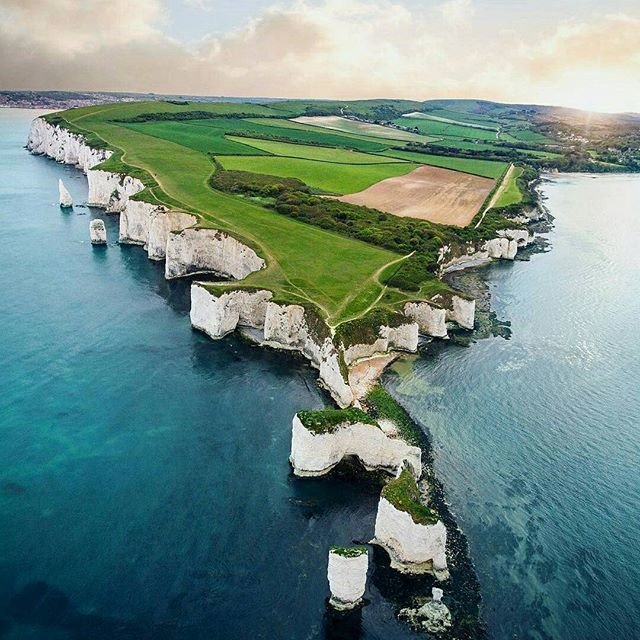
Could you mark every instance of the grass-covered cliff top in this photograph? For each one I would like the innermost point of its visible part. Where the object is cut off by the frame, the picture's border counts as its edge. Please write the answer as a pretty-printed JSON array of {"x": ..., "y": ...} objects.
[
  {"x": 349, "y": 552},
  {"x": 328, "y": 420},
  {"x": 252, "y": 171},
  {"x": 381, "y": 405},
  {"x": 402, "y": 492}
]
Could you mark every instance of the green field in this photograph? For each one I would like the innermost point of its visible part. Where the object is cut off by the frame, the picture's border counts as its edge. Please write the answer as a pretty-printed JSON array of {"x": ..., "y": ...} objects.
[
  {"x": 318, "y": 251},
  {"x": 324, "y": 176},
  {"x": 484, "y": 168},
  {"x": 305, "y": 263},
  {"x": 271, "y": 127},
  {"x": 435, "y": 128},
  {"x": 363, "y": 128},
  {"x": 511, "y": 195},
  {"x": 190, "y": 135},
  {"x": 308, "y": 152},
  {"x": 322, "y": 134}
]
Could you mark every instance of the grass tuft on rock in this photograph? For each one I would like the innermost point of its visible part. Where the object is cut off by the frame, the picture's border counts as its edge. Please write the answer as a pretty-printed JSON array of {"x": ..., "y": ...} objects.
[
  {"x": 402, "y": 492},
  {"x": 381, "y": 405},
  {"x": 328, "y": 420},
  {"x": 349, "y": 552}
]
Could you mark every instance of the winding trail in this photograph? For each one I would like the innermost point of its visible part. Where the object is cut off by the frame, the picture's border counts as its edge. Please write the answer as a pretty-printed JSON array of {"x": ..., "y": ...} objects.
[{"x": 498, "y": 192}]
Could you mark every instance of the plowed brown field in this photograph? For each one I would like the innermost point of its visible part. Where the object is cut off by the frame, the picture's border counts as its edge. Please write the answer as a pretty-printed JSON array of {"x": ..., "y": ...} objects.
[{"x": 428, "y": 193}]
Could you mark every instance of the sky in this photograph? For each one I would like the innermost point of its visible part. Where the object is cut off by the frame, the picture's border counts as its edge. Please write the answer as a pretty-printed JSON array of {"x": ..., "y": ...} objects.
[{"x": 580, "y": 53}]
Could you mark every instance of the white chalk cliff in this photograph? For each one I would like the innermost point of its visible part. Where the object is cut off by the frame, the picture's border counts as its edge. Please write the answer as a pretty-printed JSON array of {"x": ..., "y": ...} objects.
[
  {"x": 503, "y": 247},
  {"x": 431, "y": 318},
  {"x": 401, "y": 338},
  {"x": 347, "y": 575},
  {"x": 412, "y": 547},
  {"x": 97, "y": 232},
  {"x": 62, "y": 145},
  {"x": 164, "y": 234},
  {"x": 66, "y": 200},
  {"x": 193, "y": 251},
  {"x": 275, "y": 325},
  {"x": 315, "y": 454}
]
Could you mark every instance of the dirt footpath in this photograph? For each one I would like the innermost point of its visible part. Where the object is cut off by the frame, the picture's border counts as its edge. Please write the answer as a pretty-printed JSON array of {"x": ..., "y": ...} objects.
[{"x": 428, "y": 193}]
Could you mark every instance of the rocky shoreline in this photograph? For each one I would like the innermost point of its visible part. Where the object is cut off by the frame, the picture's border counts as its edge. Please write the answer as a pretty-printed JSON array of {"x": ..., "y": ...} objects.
[{"x": 422, "y": 542}]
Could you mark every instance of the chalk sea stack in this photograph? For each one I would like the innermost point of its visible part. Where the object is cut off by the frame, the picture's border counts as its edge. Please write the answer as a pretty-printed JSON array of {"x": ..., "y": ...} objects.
[
  {"x": 97, "y": 232},
  {"x": 409, "y": 531},
  {"x": 66, "y": 201},
  {"x": 347, "y": 574}
]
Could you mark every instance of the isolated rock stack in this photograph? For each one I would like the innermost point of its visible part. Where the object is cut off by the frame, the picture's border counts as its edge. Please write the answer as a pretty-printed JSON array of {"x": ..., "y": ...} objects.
[
  {"x": 97, "y": 232},
  {"x": 347, "y": 574},
  {"x": 66, "y": 201}
]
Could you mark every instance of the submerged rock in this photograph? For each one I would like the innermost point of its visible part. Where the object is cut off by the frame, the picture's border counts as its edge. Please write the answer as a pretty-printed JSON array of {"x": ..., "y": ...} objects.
[
  {"x": 66, "y": 201},
  {"x": 433, "y": 616},
  {"x": 97, "y": 232},
  {"x": 347, "y": 574}
]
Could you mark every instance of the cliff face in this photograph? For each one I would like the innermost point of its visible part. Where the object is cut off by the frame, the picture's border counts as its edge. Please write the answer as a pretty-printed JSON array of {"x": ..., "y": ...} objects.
[
  {"x": 111, "y": 191},
  {"x": 504, "y": 247},
  {"x": 192, "y": 251},
  {"x": 164, "y": 234},
  {"x": 275, "y": 325},
  {"x": 412, "y": 547},
  {"x": 63, "y": 146},
  {"x": 315, "y": 454},
  {"x": 432, "y": 316},
  {"x": 402, "y": 338}
]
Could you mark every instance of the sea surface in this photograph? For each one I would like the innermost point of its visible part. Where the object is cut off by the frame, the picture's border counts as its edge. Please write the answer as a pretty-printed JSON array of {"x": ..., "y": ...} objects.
[
  {"x": 144, "y": 485},
  {"x": 537, "y": 438},
  {"x": 145, "y": 489}
]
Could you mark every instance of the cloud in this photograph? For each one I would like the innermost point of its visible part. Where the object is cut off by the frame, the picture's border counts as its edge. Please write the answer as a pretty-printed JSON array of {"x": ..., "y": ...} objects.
[
  {"x": 457, "y": 12},
  {"x": 610, "y": 42},
  {"x": 332, "y": 48}
]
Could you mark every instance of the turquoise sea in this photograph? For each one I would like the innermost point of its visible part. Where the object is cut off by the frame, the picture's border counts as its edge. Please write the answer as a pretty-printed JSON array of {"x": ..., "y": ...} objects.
[{"x": 144, "y": 485}]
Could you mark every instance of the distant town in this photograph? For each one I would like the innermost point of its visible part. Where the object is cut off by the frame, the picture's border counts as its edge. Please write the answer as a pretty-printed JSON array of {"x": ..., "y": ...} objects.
[{"x": 69, "y": 99}]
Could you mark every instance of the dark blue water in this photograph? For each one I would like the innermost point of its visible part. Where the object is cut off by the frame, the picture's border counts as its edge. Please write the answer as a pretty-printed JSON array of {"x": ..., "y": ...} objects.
[
  {"x": 537, "y": 438},
  {"x": 144, "y": 485}
]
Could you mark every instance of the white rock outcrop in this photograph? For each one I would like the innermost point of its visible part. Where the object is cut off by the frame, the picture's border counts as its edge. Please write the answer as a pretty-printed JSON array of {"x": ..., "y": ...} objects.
[
  {"x": 503, "y": 247},
  {"x": 195, "y": 251},
  {"x": 62, "y": 145},
  {"x": 430, "y": 318},
  {"x": 111, "y": 191},
  {"x": 462, "y": 312},
  {"x": 412, "y": 547},
  {"x": 433, "y": 616},
  {"x": 522, "y": 237},
  {"x": 97, "y": 232},
  {"x": 315, "y": 454},
  {"x": 347, "y": 575},
  {"x": 275, "y": 325},
  {"x": 401, "y": 338},
  {"x": 66, "y": 201},
  {"x": 150, "y": 225},
  {"x": 219, "y": 315}
]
